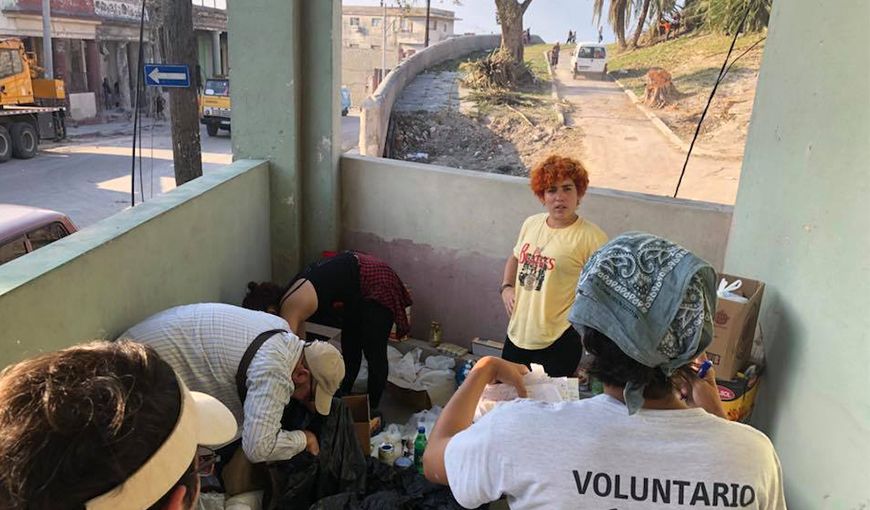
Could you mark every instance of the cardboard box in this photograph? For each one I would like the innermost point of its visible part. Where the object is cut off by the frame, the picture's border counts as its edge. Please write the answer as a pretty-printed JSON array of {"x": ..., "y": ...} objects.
[
  {"x": 418, "y": 400},
  {"x": 734, "y": 328},
  {"x": 481, "y": 347},
  {"x": 362, "y": 420},
  {"x": 329, "y": 334},
  {"x": 738, "y": 397}
]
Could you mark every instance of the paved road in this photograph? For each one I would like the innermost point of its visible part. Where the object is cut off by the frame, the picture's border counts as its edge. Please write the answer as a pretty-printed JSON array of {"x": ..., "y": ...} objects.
[
  {"x": 624, "y": 150},
  {"x": 89, "y": 178}
]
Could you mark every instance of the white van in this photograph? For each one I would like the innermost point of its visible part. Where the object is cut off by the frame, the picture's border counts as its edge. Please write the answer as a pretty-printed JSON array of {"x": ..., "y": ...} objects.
[{"x": 589, "y": 59}]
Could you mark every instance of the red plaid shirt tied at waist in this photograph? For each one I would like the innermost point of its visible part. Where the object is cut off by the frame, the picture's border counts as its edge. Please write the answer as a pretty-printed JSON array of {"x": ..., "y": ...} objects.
[{"x": 378, "y": 282}]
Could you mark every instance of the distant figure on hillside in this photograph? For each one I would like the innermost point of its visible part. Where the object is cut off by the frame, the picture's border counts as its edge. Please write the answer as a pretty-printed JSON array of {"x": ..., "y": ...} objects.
[
  {"x": 527, "y": 36},
  {"x": 554, "y": 55}
]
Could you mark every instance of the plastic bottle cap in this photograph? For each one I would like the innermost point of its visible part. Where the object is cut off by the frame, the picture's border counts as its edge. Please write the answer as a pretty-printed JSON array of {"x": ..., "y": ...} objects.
[{"x": 421, "y": 429}]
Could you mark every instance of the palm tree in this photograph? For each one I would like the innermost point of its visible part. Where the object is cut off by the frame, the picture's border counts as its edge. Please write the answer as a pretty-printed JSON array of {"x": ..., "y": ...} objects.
[
  {"x": 641, "y": 19},
  {"x": 617, "y": 15}
]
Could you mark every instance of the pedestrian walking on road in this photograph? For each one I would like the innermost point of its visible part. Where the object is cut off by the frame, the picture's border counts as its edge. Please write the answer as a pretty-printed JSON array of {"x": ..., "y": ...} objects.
[
  {"x": 600, "y": 34},
  {"x": 554, "y": 55}
]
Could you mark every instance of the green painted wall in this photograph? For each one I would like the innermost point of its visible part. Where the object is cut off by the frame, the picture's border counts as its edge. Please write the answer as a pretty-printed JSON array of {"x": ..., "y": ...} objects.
[
  {"x": 321, "y": 138},
  {"x": 285, "y": 67},
  {"x": 266, "y": 113},
  {"x": 802, "y": 224},
  {"x": 203, "y": 241}
]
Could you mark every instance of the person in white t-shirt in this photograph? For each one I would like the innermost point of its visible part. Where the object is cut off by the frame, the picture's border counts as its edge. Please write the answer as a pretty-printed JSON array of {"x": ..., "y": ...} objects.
[{"x": 655, "y": 439}]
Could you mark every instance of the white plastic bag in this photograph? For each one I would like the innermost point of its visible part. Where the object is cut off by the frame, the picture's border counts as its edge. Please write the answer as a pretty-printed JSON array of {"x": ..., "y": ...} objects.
[
  {"x": 728, "y": 291},
  {"x": 539, "y": 386},
  {"x": 440, "y": 362}
]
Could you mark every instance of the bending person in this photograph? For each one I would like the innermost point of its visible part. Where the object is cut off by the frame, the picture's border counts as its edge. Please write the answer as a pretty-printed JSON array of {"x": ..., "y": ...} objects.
[
  {"x": 644, "y": 307},
  {"x": 255, "y": 366},
  {"x": 539, "y": 277},
  {"x": 358, "y": 291}
]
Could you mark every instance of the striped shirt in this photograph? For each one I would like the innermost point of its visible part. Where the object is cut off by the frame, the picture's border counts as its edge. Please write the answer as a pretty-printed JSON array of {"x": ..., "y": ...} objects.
[{"x": 205, "y": 343}]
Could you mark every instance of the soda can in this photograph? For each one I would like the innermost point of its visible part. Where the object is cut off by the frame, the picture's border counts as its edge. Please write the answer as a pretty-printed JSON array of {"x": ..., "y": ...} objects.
[{"x": 387, "y": 453}]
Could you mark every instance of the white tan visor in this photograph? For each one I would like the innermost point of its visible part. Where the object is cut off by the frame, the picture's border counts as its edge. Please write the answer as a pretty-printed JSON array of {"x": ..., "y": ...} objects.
[{"x": 203, "y": 420}]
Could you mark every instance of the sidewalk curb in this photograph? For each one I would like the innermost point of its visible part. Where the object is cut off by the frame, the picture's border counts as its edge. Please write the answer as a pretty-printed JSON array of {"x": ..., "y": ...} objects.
[
  {"x": 665, "y": 130},
  {"x": 99, "y": 134},
  {"x": 557, "y": 103}
]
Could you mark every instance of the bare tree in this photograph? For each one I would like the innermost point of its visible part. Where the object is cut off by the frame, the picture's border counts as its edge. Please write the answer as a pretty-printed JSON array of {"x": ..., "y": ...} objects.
[{"x": 510, "y": 16}]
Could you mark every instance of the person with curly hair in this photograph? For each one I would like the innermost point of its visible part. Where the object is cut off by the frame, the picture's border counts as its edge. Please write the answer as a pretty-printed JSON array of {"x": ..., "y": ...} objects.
[{"x": 539, "y": 276}]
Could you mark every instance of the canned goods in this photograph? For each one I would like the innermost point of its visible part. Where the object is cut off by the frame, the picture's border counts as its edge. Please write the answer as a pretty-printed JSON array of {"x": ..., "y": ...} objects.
[
  {"x": 435, "y": 334},
  {"x": 387, "y": 453},
  {"x": 403, "y": 463}
]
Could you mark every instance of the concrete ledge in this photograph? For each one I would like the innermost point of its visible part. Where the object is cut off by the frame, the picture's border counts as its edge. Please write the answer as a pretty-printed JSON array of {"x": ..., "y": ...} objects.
[
  {"x": 557, "y": 99},
  {"x": 375, "y": 110},
  {"x": 202, "y": 241},
  {"x": 447, "y": 232}
]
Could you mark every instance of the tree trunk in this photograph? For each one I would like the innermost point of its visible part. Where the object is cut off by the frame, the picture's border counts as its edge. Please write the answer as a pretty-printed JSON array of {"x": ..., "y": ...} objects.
[
  {"x": 510, "y": 15},
  {"x": 620, "y": 24},
  {"x": 644, "y": 12},
  {"x": 660, "y": 88},
  {"x": 180, "y": 45}
]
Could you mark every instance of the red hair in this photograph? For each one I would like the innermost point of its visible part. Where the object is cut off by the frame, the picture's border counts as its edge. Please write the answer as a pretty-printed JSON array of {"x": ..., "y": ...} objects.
[{"x": 556, "y": 169}]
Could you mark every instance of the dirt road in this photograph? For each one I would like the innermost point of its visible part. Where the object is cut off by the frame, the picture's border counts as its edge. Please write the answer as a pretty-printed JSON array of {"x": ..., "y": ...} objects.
[{"x": 623, "y": 150}]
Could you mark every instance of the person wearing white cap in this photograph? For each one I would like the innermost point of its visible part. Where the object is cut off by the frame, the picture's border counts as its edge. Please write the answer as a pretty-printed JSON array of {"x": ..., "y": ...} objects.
[
  {"x": 103, "y": 426},
  {"x": 252, "y": 363}
]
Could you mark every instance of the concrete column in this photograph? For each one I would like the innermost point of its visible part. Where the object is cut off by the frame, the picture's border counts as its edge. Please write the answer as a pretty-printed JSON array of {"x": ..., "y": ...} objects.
[
  {"x": 123, "y": 75},
  {"x": 802, "y": 225},
  {"x": 266, "y": 117},
  {"x": 216, "y": 52},
  {"x": 321, "y": 138},
  {"x": 270, "y": 122},
  {"x": 95, "y": 77}
]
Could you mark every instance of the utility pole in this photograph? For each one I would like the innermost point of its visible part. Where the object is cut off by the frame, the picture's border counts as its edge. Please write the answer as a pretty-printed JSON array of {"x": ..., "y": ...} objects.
[
  {"x": 180, "y": 43},
  {"x": 47, "y": 57},
  {"x": 428, "y": 5},
  {"x": 384, "y": 42}
]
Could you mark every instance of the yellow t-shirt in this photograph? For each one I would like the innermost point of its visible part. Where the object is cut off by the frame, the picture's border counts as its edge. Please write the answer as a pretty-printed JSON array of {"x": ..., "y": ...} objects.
[{"x": 550, "y": 263}]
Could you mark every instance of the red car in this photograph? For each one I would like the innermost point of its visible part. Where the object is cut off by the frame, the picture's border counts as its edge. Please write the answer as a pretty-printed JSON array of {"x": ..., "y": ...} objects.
[{"x": 24, "y": 229}]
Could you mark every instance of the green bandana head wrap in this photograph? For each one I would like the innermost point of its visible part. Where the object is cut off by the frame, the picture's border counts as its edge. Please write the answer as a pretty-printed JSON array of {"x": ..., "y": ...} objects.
[{"x": 651, "y": 297}]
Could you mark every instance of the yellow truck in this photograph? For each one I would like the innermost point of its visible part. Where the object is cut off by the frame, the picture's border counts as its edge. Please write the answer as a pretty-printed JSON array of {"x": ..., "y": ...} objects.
[
  {"x": 31, "y": 108},
  {"x": 214, "y": 104}
]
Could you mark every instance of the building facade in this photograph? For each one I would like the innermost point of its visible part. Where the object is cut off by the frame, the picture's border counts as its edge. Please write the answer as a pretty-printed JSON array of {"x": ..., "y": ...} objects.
[
  {"x": 95, "y": 46},
  {"x": 375, "y": 39}
]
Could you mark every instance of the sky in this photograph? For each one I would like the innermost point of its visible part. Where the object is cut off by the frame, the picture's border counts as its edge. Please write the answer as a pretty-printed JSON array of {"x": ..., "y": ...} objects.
[{"x": 551, "y": 19}]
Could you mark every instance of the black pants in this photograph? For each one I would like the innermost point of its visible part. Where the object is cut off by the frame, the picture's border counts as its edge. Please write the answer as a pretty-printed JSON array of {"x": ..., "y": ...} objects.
[
  {"x": 366, "y": 328},
  {"x": 560, "y": 359}
]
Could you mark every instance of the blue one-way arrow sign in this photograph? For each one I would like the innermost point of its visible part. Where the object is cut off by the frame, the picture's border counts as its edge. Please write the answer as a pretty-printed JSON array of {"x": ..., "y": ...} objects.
[{"x": 167, "y": 75}]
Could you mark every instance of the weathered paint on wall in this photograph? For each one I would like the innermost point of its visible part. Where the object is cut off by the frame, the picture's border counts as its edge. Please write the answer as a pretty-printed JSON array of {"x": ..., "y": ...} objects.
[
  {"x": 448, "y": 232},
  {"x": 202, "y": 241},
  {"x": 802, "y": 225}
]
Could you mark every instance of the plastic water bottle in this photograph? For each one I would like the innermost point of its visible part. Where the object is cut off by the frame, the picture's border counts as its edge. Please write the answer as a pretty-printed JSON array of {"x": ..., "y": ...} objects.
[
  {"x": 462, "y": 373},
  {"x": 419, "y": 448}
]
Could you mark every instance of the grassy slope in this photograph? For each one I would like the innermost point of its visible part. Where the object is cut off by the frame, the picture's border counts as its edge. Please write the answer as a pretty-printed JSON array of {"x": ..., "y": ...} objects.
[{"x": 693, "y": 61}]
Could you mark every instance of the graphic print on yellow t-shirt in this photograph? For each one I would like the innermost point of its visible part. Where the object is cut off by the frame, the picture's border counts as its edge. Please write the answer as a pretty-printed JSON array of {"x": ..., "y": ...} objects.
[{"x": 549, "y": 264}]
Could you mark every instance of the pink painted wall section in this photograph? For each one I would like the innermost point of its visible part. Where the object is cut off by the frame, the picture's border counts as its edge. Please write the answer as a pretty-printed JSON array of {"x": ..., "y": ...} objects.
[{"x": 457, "y": 289}]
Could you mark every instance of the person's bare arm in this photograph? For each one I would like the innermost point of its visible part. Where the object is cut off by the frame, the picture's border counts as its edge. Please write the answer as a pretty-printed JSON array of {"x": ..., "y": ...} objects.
[
  {"x": 299, "y": 306},
  {"x": 508, "y": 293},
  {"x": 459, "y": 411}
]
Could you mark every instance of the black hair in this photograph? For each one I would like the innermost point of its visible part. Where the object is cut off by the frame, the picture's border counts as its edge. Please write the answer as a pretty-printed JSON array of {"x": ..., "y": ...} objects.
[
  {"x": 263, "y": 295},
  {"x": 611, "y": 366}
]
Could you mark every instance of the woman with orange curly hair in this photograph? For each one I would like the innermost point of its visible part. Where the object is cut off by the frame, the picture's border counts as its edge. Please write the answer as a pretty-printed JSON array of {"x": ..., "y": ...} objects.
[{"x": 540, "y": 275}]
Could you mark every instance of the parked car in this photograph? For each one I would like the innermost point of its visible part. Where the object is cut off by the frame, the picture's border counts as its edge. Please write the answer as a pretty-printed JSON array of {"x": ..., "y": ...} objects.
[
  {"x": 589, "y": 59},
  {"x": 24, "y": 229},
  {"x": 345, "y": 101}
]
